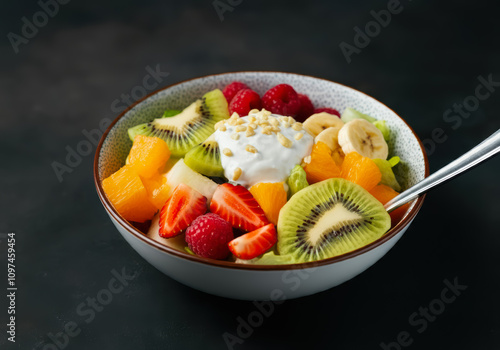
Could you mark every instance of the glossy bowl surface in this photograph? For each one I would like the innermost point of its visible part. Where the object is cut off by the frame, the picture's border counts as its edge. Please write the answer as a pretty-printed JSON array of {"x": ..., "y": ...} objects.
[{"x": 259, "y": 282}]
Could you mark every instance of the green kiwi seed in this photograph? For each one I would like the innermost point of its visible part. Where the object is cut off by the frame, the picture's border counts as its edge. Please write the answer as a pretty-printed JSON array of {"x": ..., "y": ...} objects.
[
  {"x": 330, "y": 218},
  {"x": 189, "y": 128}
]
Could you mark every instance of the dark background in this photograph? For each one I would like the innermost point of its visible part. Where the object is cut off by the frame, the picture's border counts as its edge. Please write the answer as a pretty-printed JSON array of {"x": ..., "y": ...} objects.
[{"x": 65, "y": 79}]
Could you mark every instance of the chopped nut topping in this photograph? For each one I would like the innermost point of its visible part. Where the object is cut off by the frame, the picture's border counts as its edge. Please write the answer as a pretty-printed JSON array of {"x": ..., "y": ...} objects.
[
  {"x": 290, "y": 120},
  {"x": 227, "y": 152},
  {"x": 275, "y": 129},
  {"x": 240, "y": 121},
  {"x": 234, "y": 118},
  {"x": 249, "y": 132},
  {"x": 265, "y": 112},
  {"x": 252, "y": 119},
  {"x": 240, "y": 128},
  {"x": 236, "y": 174},
  {"x": 253, "y": 111},
  {"x": 297, "y": 126},
  {"x": 235, "y": 136},
  {"x": 298, "y": 136},
  {"x": 266, "y": 131},
  {"x": 222, "y": 128},
  {"x": 252, "y": 125},
  {"x": 251, "y": 149},
  {"x": 219, "y": 124},
  {"x": 263, "y": 123},
  {"x": 274, "y": 122},
  {"x": 307, "y": 159},
  {"x": 284, "y": 141},
  {"x": 286, "y": 125}
]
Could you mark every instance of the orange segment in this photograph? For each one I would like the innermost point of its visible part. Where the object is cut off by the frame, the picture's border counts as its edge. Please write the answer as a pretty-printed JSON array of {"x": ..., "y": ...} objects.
[
  {"x": 338, "y": 156},
  {"x": 271, "y": 198},
  {"x": 128, "y": 195},
  {"x": 361, "y": 170},
  {"x": 384, "y": 194},
  {"x": 148, "y": 155},
  {"x": 157, "y": 188},
  {"x": 322, "y": 166}
]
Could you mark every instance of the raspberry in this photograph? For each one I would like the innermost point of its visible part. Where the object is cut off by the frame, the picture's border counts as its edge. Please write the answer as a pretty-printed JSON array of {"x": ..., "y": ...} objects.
[
  {"x": 327, "y": 110},
  {"x": 244, "y": 101},
  {"x": 209, "y": 235},
  {"x": 282, "y": 99},
  {"x": 231, "y": 90},
  {"x": 306, "y": 108}
]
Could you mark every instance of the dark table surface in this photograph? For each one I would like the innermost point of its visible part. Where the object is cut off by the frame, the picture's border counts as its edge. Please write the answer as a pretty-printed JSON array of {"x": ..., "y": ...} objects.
[{"x": 66, "y": 77}]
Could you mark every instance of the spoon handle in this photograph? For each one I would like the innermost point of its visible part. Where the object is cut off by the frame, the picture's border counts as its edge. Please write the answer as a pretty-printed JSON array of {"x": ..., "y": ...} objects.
[{"x": 478, "y": 154}]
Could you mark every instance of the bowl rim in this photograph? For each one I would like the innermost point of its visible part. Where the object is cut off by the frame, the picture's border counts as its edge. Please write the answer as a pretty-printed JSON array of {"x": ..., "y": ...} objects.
[{"x": 391, "y": 234}]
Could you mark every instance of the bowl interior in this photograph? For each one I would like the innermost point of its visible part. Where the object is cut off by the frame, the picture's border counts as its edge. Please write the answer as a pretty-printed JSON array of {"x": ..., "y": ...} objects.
[{"x": 404, "y": 143}]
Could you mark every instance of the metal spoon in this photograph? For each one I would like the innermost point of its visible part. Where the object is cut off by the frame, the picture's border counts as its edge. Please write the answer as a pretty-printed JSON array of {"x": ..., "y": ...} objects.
[{"x": 478, "y": 154}]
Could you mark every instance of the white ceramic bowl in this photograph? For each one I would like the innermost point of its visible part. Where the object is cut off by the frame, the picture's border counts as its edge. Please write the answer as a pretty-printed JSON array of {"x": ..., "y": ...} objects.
[{"x": 259, "y": 282}]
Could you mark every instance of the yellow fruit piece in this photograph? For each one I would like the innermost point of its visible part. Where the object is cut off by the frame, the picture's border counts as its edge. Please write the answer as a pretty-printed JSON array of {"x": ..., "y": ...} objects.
[
  {"x": 338, "y": 157},
  {"x": 321, "y": 165},
  {"x": 128, "y": 195},
  {"x": 384, "y": 194},
  {"x": 271, "y": 198},
  {"x": 361, "y": 170},
  {"x": 148, "y": 155},
  {"x": 157, "y": 188}
]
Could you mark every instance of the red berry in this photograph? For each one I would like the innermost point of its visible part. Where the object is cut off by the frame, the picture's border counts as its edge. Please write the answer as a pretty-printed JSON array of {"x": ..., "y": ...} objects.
[
  {"x": 282, "y": 99},
  {"x": 184, "y": 205},
  {"x": 306, "y": 108},
  {"x": 208, "y": 236},
  {"x": 327, "y": 110},
  {"x": 231, "y": 90},
  {"x": 244, "y": 101},
  {"x": 236, "y": 205},
  {"x": 255, "y": 243}
]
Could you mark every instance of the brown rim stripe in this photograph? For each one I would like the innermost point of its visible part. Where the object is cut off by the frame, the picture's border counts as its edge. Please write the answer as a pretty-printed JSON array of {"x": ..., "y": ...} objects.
[{"x": 227, "y": 264}]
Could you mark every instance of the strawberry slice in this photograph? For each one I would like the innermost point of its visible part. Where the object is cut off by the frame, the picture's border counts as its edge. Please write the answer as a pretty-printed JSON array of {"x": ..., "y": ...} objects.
[
  {"x": 184, "y": 205},
  {"x": 236, "y": 205},
  {"x": 252, "y": 244}
]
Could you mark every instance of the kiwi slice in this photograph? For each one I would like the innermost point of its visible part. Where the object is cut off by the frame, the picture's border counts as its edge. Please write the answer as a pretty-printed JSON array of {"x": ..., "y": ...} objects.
[
  {"x": 269, "y": 258},
  {"x": 388, "y": 177},
  {"x": 350, "y": 114},
  {"x": 188, "y": 128},
  {"x": 205, "y": 158},
  {"x": 330, "y": 218},
  {"x": 384, "y": 129},
  {"x": 142, "y": 129},
  {"x": 297, "y": 180},
  {"x": 170, "y": 113}
]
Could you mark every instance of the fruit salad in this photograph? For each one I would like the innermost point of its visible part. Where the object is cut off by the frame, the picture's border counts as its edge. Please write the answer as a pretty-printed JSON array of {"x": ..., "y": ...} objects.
[{"x": 258, "y": 179}]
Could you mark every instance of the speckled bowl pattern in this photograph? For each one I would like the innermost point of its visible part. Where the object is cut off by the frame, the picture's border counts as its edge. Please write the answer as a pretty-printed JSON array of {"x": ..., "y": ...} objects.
[{"x": 257, "y": 281}]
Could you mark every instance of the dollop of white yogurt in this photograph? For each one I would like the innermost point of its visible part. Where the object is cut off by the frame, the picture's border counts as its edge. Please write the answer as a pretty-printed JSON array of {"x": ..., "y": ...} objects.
[{"x": 261, "y": 147}]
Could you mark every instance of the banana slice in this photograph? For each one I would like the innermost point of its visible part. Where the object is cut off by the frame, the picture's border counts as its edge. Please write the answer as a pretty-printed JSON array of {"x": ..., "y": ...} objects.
[
  {"x": 318, "y": 122},
  {"x": 361, "y": 136},
  {"x": 330, "y": 136}
]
